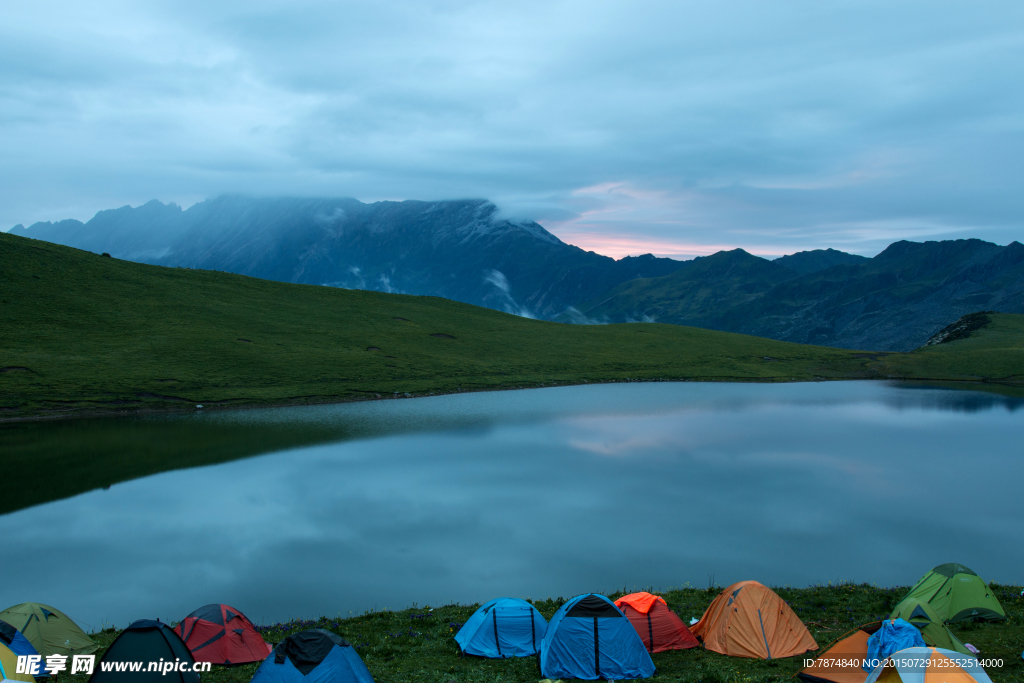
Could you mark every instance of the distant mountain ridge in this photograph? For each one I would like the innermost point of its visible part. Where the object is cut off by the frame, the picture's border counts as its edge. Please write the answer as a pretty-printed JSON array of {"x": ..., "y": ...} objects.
[
  {"x": 807, "y": 262},
  {"x": 465, "y": 251},
  {"x": 461, "y": 250},
  {"x": 895, "y": 301}
]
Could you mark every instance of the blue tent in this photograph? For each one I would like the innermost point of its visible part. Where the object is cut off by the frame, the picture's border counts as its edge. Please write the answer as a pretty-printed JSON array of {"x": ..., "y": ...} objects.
[
  {"x": 590, "y": 638},
  {"x": 12, "y": 638},
  {"x": 894, "y": 635},
  {"x": 505, "y": 627},
  {"x": 317, "y": 656}
]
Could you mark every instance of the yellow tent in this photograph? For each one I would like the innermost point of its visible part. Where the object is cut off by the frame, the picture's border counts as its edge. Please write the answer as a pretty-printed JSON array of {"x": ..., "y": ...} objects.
[
  {"x": 8, "y": 666},
  {"x": 50, "y": 631}
]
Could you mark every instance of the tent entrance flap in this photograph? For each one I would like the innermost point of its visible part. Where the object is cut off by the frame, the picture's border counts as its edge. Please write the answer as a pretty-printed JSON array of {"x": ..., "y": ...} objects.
[
  {"x": 497, "y": 640},
  {"x": 767, "y": 647}
]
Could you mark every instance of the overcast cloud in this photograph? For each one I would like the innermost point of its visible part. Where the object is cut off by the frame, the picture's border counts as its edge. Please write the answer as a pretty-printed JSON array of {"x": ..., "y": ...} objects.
[{"x": 678, "y": 128}]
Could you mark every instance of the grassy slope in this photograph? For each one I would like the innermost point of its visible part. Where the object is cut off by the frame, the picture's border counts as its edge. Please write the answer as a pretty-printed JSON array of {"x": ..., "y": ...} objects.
[
  {"x": 995, "y": 353},
  {"x": 416, "y": 645},
  {"x": 99, "y": 333}
]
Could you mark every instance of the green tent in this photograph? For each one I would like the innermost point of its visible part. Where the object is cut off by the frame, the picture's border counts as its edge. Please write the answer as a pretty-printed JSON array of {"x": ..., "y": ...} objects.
[
  {"x": 957, "y": 594},
  {"x": 50, "y": 631},
  {"x": 929, "y": 624}
]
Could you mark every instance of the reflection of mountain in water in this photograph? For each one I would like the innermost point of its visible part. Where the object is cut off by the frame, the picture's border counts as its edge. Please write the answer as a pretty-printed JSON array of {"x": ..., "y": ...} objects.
[{"x": 957, "y": 397}]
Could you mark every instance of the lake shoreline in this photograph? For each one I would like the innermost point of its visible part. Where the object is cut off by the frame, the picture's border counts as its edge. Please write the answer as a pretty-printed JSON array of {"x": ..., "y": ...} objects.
[{"x": 92, "y": 413}]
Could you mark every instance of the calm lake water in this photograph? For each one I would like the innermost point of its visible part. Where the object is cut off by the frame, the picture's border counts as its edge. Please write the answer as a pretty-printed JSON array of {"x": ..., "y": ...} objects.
[{"x": 541, "y": 493}]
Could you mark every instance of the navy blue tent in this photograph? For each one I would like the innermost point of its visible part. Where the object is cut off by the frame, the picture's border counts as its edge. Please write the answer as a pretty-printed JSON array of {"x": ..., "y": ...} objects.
[
  {"x": 590, "y": 638},
  {"x": 504, "y": 627},
  {"x": 18, "y": 644},
  {"x": 313, "y": 655}
]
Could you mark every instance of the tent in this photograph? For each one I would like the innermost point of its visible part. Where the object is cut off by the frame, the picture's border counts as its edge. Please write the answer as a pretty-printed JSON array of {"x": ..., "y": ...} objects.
[
  {"x": 313, "y": 655},
  {"x": 840, "y": 663},
  {"x": 658, "y": 626},
  {"x": 50, "y": 631},
  {"x": 750, "y": 620},
  {"x": 13, "y": 639},
  {"x": 9, "y": 666},
  {"x": 933, "y": 631},
  {"x": 222, "y": 635},
  {"x": 957, "y": 594},
  {"x": 895, "y": 635},
  {"x": 590, "y": 638},
  {"x": 504, "y": 627},
  {"x": 147, "y": 641},
  {"x": 924, "y": 664}
]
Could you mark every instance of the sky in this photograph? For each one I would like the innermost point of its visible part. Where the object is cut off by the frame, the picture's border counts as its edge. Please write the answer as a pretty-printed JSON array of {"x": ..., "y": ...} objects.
[{"x": 677, "y": 128}]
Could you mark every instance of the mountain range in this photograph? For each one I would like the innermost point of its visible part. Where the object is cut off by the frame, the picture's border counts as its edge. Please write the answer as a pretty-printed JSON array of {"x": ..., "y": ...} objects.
[
  {"x": 893, "y": 302},
  {"x": 466, "y": 251},
  {"x": 461, "y": 250}
]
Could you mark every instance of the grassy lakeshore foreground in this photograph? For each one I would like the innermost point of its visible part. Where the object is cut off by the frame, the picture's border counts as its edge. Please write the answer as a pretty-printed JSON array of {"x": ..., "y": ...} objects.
[
  {"x": 84, "y": 334},
  {"x": 416, "y": 646}
]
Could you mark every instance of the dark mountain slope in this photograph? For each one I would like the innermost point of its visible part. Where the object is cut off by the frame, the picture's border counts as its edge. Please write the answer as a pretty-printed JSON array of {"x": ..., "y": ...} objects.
[
  {"x": 894, "y": 302},
  {"x": 460, "y": 250},
  {"x": 699, "y": 294}
]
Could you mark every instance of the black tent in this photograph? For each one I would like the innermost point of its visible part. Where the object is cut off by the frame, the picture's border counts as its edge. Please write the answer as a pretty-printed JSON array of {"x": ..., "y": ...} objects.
[{"x": 156, "y": 647}]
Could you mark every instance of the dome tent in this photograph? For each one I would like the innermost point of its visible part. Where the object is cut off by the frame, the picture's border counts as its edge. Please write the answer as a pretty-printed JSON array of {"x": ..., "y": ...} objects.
[
  {"x": 15, "y": 641},
  {"x": 933, "y": 631},
  {"x": 9, "y": 666},
  {"x": 504, "y": 627},
  {"x": 222, "y": 635},
  {"x": 917, "y": 664},
  {"x": 957, "y": 594},
  {"x": 658, "y": 627},
  {"x": 751, "y": 620},
  {"x": 50, "y": 631},
  {"x": 146, "y": 641},
  {"x": 590, "y": 638},
  {"x": 314, "y": 655}
]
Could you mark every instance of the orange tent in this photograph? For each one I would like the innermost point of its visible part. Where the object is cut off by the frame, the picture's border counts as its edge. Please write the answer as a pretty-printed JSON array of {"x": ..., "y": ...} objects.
[
  {"x": 750, "y": 620},
  {"x": 842, "y": 662},
  {"x": 658, "y": 626}
]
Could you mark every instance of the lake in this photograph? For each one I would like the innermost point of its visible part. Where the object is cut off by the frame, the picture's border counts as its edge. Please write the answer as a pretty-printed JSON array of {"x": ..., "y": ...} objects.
[{"x": 534, "y": 493}]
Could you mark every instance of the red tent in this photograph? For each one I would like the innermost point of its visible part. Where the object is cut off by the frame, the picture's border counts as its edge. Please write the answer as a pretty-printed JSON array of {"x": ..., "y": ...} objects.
[
  {"x": 222, "y": 635},
  {"x": 658, "y": 626}
]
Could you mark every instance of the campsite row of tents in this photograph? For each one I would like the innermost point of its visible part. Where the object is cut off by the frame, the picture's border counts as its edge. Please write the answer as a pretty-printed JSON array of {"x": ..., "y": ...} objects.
[{"x": 590, "y": 637}]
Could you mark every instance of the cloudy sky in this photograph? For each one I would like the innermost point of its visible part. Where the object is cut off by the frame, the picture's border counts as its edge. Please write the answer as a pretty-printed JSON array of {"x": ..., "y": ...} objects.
[{"x": 677, "y": 128}]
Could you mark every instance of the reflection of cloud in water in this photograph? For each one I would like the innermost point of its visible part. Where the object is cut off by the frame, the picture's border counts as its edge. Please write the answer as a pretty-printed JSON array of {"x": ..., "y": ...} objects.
[{"x": 815, "y": 485}]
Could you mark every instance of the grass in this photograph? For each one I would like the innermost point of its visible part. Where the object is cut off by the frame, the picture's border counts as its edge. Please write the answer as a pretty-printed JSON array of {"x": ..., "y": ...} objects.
[
  {"x": 82, "y": 334},
  {"x": 416, "y": 646}
]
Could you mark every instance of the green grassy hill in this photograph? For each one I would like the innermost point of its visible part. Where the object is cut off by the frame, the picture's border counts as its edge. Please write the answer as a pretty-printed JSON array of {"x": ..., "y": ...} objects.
[{"x": 82, "y": 333}]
